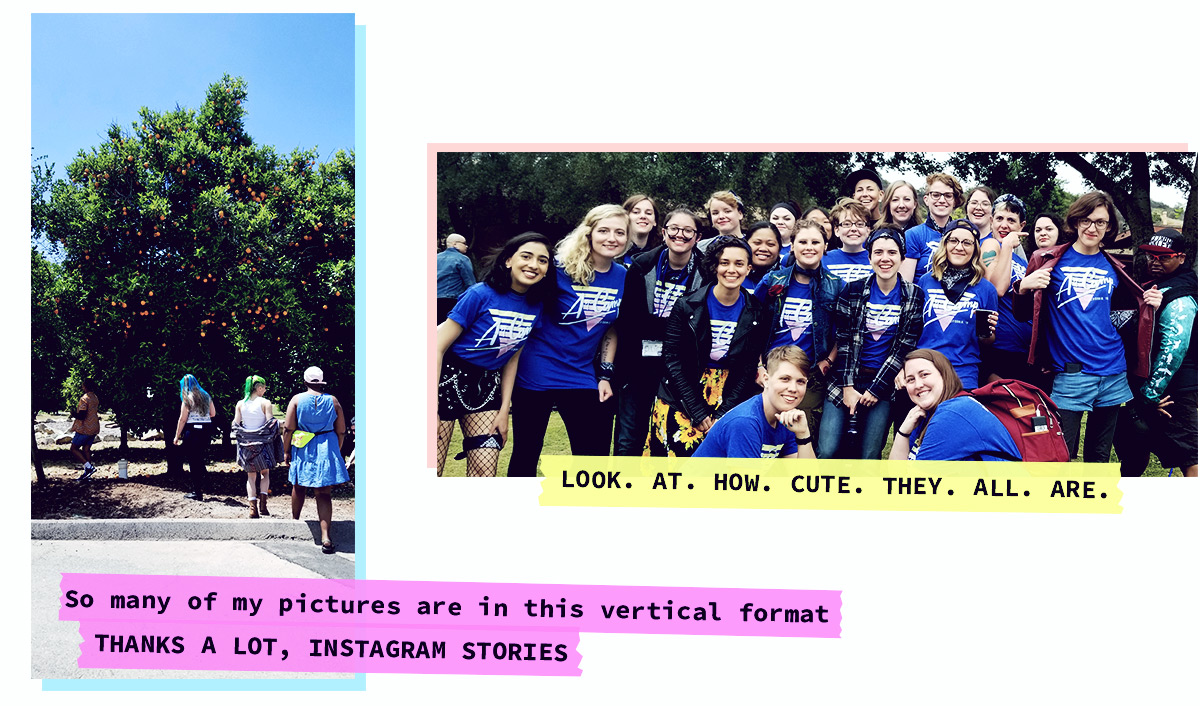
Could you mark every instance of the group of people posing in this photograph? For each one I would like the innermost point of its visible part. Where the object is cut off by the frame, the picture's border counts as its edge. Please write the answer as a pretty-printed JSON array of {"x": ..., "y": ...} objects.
[{"x": 814, "y": 332}]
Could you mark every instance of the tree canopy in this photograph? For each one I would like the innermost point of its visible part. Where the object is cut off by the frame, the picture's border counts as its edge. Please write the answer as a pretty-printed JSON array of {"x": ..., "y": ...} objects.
[
  {"x": 182, "y": 246},
  {"x": 489, "y": 196}
]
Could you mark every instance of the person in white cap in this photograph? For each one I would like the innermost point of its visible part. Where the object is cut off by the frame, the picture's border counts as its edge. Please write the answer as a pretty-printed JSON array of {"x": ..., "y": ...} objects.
[{"x": 313, "y": 450}]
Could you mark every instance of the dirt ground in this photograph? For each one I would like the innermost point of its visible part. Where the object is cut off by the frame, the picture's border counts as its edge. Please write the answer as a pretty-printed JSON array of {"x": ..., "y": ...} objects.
[{"x": 149, "y": 492}]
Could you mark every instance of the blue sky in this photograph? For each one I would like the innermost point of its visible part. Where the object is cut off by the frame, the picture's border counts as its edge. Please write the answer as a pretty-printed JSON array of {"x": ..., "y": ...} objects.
[{"x": 89, "y": 71}]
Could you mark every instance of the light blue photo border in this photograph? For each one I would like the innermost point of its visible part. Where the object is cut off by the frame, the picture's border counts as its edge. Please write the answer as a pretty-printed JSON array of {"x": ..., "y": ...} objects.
[{"x": 359, "y": 681}]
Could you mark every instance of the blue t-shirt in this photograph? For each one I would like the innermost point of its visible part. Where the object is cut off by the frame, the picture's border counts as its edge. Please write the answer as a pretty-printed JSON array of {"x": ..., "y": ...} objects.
[
  {"x": 920, "y": 243},
  {"x": 669, "y": 284},
  {"x": 744, "y": 433},
  {"x": 1013, "y": 335},
  {"x": 794, "y": 325},
  {"x": 881, "y": 325},
  {"x": 495, "y": 325},
  {"x": 783, "y": 252},
  {"x": 848, "y": 266},
  {"x": 723, "y": 321},
  {"x": 950, "y": 327},
  {"x": 1081, "y": 331},
  {"x": 560, "y": 352},
  {"x": 960, "y": 429}
]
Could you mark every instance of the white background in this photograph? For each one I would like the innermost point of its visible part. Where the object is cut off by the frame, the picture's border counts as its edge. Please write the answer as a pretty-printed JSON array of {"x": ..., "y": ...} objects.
[{"x": 938, "y": 607}]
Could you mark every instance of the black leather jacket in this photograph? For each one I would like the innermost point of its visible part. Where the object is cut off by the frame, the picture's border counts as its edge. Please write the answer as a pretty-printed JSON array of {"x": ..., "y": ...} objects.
[{"x": 686, "y": 349}]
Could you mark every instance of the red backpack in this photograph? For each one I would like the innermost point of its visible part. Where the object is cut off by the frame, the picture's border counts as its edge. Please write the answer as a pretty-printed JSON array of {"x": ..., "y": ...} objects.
[{"x": 1030, "y": 417}]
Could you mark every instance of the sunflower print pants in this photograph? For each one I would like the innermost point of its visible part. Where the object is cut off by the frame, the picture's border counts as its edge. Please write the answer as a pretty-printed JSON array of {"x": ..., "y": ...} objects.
[{"x": 671, "y": 432}]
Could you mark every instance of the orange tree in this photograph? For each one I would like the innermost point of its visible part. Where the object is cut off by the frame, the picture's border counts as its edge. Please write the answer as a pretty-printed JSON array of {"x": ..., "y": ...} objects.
[{"x": 187, "y": 248}]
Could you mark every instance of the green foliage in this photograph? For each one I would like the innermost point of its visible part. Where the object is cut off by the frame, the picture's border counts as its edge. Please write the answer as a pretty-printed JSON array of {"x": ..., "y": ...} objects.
[
  {"x": 49, "y": 360},
  {"x": 489, "y": 196},
  {"x": 1030, "y": 175},
  {"x": 187, "y": 248}
]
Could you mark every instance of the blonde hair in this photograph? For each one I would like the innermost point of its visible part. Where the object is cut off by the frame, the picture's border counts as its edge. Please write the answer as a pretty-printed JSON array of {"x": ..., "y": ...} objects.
[
  {"x": 940, "y": 260},
  {"x": 728, "y": 198},
  {"x": 786, "y": 354},
  {"x": 574, "y": 252}
]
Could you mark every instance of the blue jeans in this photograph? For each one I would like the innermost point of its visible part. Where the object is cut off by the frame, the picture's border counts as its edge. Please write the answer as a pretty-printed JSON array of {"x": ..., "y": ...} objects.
[{"x": 872, "y": 429}]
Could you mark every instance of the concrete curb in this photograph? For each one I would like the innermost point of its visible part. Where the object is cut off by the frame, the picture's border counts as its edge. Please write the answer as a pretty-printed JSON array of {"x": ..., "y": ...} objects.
[{"x": 247, "y": 529}]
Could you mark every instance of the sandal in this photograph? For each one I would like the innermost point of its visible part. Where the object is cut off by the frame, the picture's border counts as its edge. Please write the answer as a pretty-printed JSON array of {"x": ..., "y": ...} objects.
[{"x": 327, "y": 547}]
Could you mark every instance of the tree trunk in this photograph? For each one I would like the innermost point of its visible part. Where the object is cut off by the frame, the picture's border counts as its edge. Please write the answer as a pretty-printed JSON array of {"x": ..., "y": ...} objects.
[
  {"x": 1133, "y": 203},
  {"x": 1189, "y": 217},
  {"x": 37, "y": 458},
  {"x": 173, "y": 453}
]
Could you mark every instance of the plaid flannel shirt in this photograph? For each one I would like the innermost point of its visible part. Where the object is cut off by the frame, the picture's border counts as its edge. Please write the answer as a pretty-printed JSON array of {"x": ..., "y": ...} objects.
[{"x": 850, "y": 316}]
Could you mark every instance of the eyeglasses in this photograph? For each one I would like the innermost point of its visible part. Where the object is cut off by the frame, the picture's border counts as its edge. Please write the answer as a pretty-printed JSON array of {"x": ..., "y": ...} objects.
[
  {"x": 938, "y": 195},
  {"x": 955, "y": 242},
  {"x": 1160, "y": 256},
  {"x": 859, "y": 225},
  {"x": 1085, "y": 223},
  {"x": 985, "y": 204},
  {"x": 676, "y": 230}
]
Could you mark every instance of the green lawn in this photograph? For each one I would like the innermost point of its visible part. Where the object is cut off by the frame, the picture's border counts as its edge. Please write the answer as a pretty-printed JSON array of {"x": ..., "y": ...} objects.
[
  {"x": 1154, "y": 468},
  {"x": 556, "y": 443}
]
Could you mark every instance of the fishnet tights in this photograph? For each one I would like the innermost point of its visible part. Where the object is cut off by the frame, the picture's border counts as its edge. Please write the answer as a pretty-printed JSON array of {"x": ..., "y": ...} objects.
[{"x": 480, "y": 462}]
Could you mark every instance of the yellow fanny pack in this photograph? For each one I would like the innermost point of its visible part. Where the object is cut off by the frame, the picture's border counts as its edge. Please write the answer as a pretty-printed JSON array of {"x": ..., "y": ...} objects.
[{"x": 301, "y": 437}]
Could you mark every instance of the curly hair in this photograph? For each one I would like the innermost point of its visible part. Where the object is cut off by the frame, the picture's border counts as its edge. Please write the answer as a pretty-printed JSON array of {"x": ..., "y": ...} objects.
[{"x": 713, "y": 255}]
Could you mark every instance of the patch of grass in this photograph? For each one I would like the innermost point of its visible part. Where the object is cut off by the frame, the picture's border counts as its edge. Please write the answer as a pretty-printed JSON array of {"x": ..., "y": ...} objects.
[
  {"x": 556, "y": 444},
  {"x": 1154, "y": 468}
]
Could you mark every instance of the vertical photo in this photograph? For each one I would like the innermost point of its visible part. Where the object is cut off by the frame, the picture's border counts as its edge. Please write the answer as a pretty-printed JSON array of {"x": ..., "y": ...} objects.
[{"x": 192, "y": 260}]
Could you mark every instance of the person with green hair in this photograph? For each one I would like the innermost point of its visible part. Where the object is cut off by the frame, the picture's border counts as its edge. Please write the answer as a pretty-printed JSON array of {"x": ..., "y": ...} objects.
[{"x": 260, "y": 445}]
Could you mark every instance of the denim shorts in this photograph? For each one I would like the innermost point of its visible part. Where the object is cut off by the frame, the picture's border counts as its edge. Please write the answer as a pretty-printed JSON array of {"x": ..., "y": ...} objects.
[
  {"x": 1080, "y": 392},
  {"x": 82, "y": 439}
]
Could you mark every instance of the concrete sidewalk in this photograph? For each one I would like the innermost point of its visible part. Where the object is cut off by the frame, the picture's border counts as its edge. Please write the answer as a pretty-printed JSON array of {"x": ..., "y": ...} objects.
[
  {"x": 56, "y": 643},
  {"x": 246, "y": 530}
]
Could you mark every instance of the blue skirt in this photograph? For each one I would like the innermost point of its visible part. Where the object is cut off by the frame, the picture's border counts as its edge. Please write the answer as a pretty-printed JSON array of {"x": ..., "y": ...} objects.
[{"x": 318, "y": 463}]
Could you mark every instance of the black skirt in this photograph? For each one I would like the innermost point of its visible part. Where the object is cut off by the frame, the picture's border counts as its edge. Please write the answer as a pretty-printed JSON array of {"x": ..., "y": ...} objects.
[{"x": 465, "y": 388}]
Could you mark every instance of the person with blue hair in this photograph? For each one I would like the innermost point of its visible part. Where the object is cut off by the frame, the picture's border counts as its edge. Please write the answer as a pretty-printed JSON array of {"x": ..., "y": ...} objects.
[{"x": 195, "y": 429}]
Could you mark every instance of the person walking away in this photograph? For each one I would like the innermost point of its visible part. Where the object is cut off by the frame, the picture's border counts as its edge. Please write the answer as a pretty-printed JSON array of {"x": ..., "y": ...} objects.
[
  {"x": 194, "y": 430},
  {"x": 454, "y": 274},
  {"x": 312, "y": 441}
]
